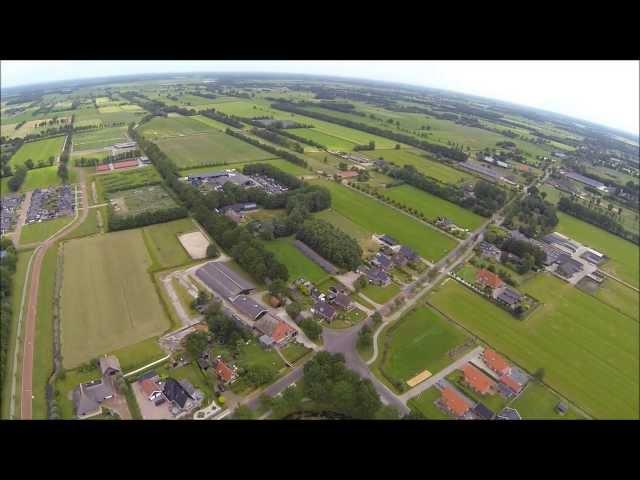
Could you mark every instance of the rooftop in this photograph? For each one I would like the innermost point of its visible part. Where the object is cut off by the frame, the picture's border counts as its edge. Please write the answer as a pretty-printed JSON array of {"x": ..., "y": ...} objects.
[
  {"x": 223, "y": 280},
  {"x": 454, "y": 402}
]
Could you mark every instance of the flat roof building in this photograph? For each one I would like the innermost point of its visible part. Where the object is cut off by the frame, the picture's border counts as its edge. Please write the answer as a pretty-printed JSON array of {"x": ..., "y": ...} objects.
[{"x": 223, "y": 280}]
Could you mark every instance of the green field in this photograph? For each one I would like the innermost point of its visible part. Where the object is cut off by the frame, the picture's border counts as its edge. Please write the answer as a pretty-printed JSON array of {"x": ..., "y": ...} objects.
[
  {"x": 380, "y": 294},
  {"x": 108, "y": 298},
  {"x": 210, "y": 122},
  {"x": 433, "y": 207},
  {"x": 163, "y": 127},
  {"x": 620, "y": 297},
  {"x": 624, "y": 256},
  {"x": 39, "y": 232},
  {"x": 294, "y": 352},
  {"x": 139, "y": 354},
  {"x": 379, "y": 218},
  {"x": 344, "y": 224},
  {"x": 585, "y": 357},
  {"x": 214, "y": 148},
  {"x": 39, "y": 178},
  {"x": 163, "y": 245},
  {"x": 538, "y": 403},
  {"x": 103, "y": 137},
  {"x": 143, "y": 199},
  {"x": 125, "y": 180},
  {"x": 419, "y": 341},
  {"x": 329, "y": 141},
  {"x": 424, "y": 165},
  {"x": 283, "y": 165},
  {"x": 424, "y": 403},
  {"x": 297, "y": 264},
  {"x": 89, "y": 227},
  {"x": 37, "y": 151}
]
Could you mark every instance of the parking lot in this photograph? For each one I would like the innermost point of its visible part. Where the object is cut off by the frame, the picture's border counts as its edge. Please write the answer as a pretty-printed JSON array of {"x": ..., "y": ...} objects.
[
  {"x": 268, "y": 184},
  {"x": 8, "y": 215},
  {"x": 51, "y": 203}
]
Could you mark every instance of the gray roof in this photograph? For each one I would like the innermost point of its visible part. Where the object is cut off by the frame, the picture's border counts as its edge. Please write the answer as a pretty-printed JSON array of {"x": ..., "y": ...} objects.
[
  {"x": 582, "y": 179},
  {"x": 509, "y": 413},
  {"x": 388, "y": 240},
  {"x": 84, "y": 404},
  {"x": 377, "y": 274},
  {"x": 569, "y": 267},
  {"x": 408, "y": 253},
  {"x": 509, "y": 296},
  {"x": 267, "y": 324},
  {"x": 592, "y": 257},
  {"x": 382, "y": 260},
  {"x": 482, "y": 411},
  {"x": 249, "y": 307},
  {"x": 308, "y": 252},
  {"x": 266, "y": 340},
  {"x": 342, "y": 300},
  {"x": 223, "y": 280},
  {"x": 555, "y": 239},
  {"x": 519, "y": 376},
  {"x": 186, "y": 384},
  {"x": 87, "y": 397},
  {"x": 324, "y": 309}
]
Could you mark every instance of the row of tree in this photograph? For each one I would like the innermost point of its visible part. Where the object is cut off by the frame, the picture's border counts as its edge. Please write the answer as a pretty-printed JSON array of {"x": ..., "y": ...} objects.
[
  {"x": 7, "y": 271},
  {"x": 330, "y": 242},
  {"x": 276, "y": 138},
  {"x": 222, "y": 117},
  {"x": 125, "y": 222}
]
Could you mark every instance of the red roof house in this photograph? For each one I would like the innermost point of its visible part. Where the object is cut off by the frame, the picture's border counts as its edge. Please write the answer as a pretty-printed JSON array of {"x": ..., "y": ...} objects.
[
  {"x": 126, "y": 164},
  {"x": 347, "y": 174},
  {"x": 453, "y": 402},
  {"x": 224, "y": 372},
  {"x": 477, "y": 380},
  {"x": 103, "y": 168},
  {"x": 282, "y": 332},
  {"x": 511, "y": 383},
  {"x": 488, "y": 279},
  {"x": 151, "y": 389},
  {"x": 496, "y": 362}
]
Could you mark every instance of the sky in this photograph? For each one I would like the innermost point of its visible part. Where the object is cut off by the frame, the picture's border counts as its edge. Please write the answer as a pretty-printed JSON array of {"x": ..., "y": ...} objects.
[{"x": 604, "y": 92}]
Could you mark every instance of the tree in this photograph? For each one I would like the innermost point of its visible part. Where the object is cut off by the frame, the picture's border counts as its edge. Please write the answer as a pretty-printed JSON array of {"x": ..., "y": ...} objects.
[
  {"x": 343, "y": 166},
  {"x": 376, "y": 318},
  {"x": 196, "y": 344},
  {"x": 63, "y": 172},
  {"x": 29, "y": 164},
  {"x": 365, "y": 337},
  {"x": 397, "y": 147},
  {"x": 212, "y": 251},
  {"x": 311, "y": 328},
  {"x": 293, "y": 310},
  {"x": 243, "y": 412},
  {"x": 261, "y": 374},
  {"x": 361, "y": 282},
  {"x": 278, "y": 288},
  {"x": 539, "y": 374}
]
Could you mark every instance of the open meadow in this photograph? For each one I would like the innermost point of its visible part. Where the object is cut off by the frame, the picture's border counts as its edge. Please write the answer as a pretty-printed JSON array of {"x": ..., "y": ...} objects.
[
  {"x": 40, "y": 150},
  {"x": 378, "y": 218},
  {"x": 283, "y": 165},
  {"x": 175, "y": 126},
  {"x": 163, "y": 245},
  {"x": 39, "y": 178},
  {"x": 108, "y": 298},
  {"x": 100, "y": 138},
  {"x": 587, "y": 349},
  {"x": 297, "y": 264}
]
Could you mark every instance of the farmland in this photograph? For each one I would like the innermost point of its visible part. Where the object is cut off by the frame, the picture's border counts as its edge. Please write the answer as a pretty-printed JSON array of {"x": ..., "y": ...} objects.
[
  {"x": 108, "y": 298},
  {"x": 624, "y": 256},
  {"x": 161, "y": 127},
  {"x": 162, "y": 242},
  {"x": 37, "y": 151},
  {"x": 419, "y": 341},
  {"x": 101, "y": 138},
  {"x": 40, "y": 178},
  {"x": 142, "y": 199},
  {"x": 329, "y": 141},
  {"x": 376, "y": 217},
  {"x": 139, "y": 177},
  {"x": 433, "y": 207},
  {"x": 584, "y": 358},
  {"x": 620, "y": 297},
  {"x": 213, "y": 148},
  {"x": 278, "y": 163},
  {"x": 297, "y": 264}
]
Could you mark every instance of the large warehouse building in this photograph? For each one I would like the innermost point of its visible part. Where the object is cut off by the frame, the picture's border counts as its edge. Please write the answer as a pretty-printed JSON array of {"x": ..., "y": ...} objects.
[{"x": 223, "y": 280}]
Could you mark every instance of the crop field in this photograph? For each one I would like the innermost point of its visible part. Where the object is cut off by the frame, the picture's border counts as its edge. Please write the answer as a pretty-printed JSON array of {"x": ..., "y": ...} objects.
[
  {"x": 93, "y": 122},
  {"x": 424, "y": 165},
  {"x": 163, "y": 245},
  {"x": 586, "y": 348},
  {"x": 283, "y": 165},
  {"x": 36, "y": 151},
  {"x": 538, "y": 403},
  {"x": 419, "y": 341},
  {"x": 142, "y": 199},
  {"x": 433, "y": 207},
  {"x": 297, "y": 264},
  {"x": 329, "y": 141},
  {"x": 108, "y": 298},
  {"x": 160, "y": 127},
  {"x": 376, "y": 217},
  {"x": 125, "y": 180},
  {"x": 101, "y": 138},
  {"x": 210, "y": 149},
  {"x": 624, "y": 256},
  {"x": 620, "y": 297}
]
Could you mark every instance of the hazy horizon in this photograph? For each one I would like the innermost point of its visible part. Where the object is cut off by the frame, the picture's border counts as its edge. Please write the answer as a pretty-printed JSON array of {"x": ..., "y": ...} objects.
[{"x": 602, "y": 92}]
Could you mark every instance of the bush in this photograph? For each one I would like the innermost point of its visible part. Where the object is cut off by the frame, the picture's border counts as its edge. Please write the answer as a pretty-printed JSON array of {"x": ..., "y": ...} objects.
[
  {"x": 311, "y": 328},
  {"x": 212, "y": 251}
]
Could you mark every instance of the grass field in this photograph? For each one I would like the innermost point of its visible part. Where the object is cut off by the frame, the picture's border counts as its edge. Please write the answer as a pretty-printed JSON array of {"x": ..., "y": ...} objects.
[
  {"x": 39, "y": 232},
  {"x": 139, "y": 354},
  {"x": 428, "y": 167},
  {"x": 125, "y": 180},
  {"x": 294, "y": 352},
  {"x": 108, "y": 299},
  {"x": 103, "y": 137},
  {"x": 36, "y": 151},
  {"x": 214, "y": 148},
  {"x": 433, "y": 207},
  {"x": 39, "y": 178},
  {"x": 376, "y": 217},
  {"x": 584, "y": 357},
  {"x": 211, "y": 122},
  {"x": 161, "y": 127},
  {"x": 163, "y": 245},
  {"x": 419, "y": 341},
  {"x": 380, "y": 294},
  {"x": 620, "y": 297},
  {"x": 424, "y": 403},
  {"x": 538, "y": 403},
  {"x": 283, "y": 165},
  {"x": 624, "y": 256},
  {"x": 143, "y": 199},
  {"x": 88, "y": 227},
  {"x": 297, "y": 264},
  {"x": 329, "y": 141}
]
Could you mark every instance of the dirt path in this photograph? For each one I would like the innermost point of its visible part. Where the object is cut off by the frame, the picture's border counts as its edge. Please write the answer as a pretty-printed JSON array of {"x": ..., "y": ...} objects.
[{"x": 26, "y": 396}]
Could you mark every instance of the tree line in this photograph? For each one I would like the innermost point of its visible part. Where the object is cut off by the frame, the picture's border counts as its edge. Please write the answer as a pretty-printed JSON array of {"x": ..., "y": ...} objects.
[
  {"x": 7, "y": 271},
  {"x": 331, "y": 243},
  {"x": 276, "y": 138},
  {"x": 532, "y": 215},
  {"x": 125, "y": 222},
  {"x": 222, "y": 117}
]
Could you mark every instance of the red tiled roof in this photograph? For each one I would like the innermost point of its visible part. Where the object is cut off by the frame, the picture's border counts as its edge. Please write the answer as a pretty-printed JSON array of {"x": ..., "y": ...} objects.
[
  {"x": 511, "y": 383},
  {"x": 488, "y": 278},
  {"x": 454, "y": 402},
  {"x": 149, "y": 386},
  {"x": 103, "y": 168},
  {"x": 495, "y": 361},
  {"x": 126, "y": 163},
  {"x": 477, "y": 380},
  {"x": 281, "y": 331},
  {"x": 223, "y": 371},
  {"x": 348, "y": 174}
]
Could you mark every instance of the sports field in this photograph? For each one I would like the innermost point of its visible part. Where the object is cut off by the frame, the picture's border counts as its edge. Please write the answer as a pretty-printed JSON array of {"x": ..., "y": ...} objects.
[
  {"x": 538, "y": 403},
  {"x": 37, "y": 151},
  {"x": 587, "y": 348},
  {"x": 376, "y": 217},
  {"x": 161, "y": 127},
  {"x": 163, "y": 245},
  {"x": 100, "y": 138},
  {"x": 108, "y": 298},
  {"x": 214, "y": 148},
  {"x": 428, "y": 167},
  {"x": 297, "y": 264},
  {"x": 624, "y": 256},
  {"x": 433, "y": 207},
  {"x": 419, "y": 341},
  {"x": 283, "y": 165}
]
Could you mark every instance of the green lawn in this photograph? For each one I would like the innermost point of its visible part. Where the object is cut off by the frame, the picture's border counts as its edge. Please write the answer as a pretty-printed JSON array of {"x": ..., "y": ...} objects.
[
  {"x": 433, "y": 207},
  {"x": 163, "y": 245},
  {"x": 376, "y": 217},
  {"x": 294, "y": 352},
  {"x": 424, "y": 403},
  {"x": 538, "y": 403},
  {"x": 211, "y": 122},
  {"x": 88, "y": 227},
  {"x": 39, "y": 178},
  {"x": 585, "y": 358},
  {"x": 139, "y": 354},
  {"x": 419, "y": 341},
  {"x": 39, "y": 232},
  {"x": 36, "y": 151},
  {"x": 213, "y": 148},
  {"x": 108, "y": 298},
  {"x": 343, "y": 223},
  {"x": 283, "y": 165},
  {"x": 380, "y": 294},
  {"x": 100, "y": 138},
  {"x": 297, "y": 264},
  {"x": 624, "y": 256},
  {"x": 620, "y": 297}
]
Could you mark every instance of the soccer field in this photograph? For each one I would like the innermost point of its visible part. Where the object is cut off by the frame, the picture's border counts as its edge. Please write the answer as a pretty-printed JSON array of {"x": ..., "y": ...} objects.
[
  {"x": 108, "y": 298},
  {"x": 103, "y": 137},
  {"x": 37, "y": 151},
  {"x": 587, "y": 349}
]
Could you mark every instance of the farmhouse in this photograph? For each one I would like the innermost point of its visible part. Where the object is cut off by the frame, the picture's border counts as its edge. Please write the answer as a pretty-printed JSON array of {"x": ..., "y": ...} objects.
[
  {"x": 488, "y": 279},
  {"x": 509, "y": 297},
  {"x": 249, "y": 307},
  {"x": 477, "y": 380},
  {"x": 223, "y": 280},
  {"x": 177, "y": 393},
  {"x": 569, "y": 267},
  {"x": 495, "y": 362},
  {"x": 453, "y": 402},
  {"x": 87, "y": 397},
  {"x": 324, "y": 310},
  {"x": 382, "y": 261},
  {"x": 346, "y": 175},
  {"x": 279, "y": 331},
  {"x": 225, "y": 373},
  {"x": 151, "y": 389},
  {"x": 488, "y": 250}
]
